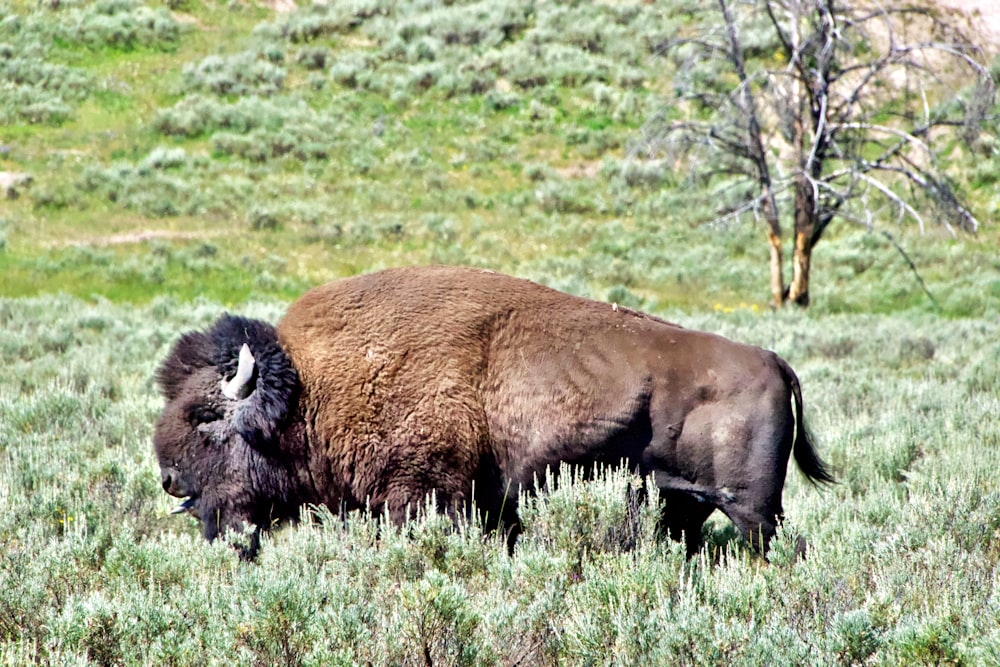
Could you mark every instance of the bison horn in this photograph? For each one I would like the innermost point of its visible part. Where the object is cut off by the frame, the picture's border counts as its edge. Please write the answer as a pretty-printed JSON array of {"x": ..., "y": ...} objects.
[{"x": 240, "y": 386}]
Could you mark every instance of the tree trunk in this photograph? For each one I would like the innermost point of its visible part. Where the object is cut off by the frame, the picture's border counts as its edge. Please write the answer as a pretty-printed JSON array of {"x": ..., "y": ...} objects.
[
  {"x": 774, "y": 241},
  {"x": 805, "y": 224},
  {"x": 798, "y": 291},
  {"x": 777, "y": 280},
  {"x": 805, "y": 122},
  {"x": 758, "y": 156}
]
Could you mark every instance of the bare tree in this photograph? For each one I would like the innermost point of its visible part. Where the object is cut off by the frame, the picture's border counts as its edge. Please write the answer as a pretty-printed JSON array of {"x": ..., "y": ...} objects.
[{"x": 822, "y": 110}]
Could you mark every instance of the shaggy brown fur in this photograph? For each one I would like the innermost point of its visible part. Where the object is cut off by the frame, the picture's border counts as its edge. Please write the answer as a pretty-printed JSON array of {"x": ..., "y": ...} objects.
[{"x": 381, "y": 388}]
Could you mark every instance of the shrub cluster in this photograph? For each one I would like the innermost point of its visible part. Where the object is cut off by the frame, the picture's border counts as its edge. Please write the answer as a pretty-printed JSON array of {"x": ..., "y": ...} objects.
[
  {"x": 901, "y": 568},
  {"x": 198, "y": 115},
  {"x": 122, "y": 25},
  {"x": 36, "y": 91},
  {"x": 157, "y": 186},
  {"x": 39, "y": 91},
  {"x": 254, "y": 128},
  {"x": 420, "y": 46},
  {"x": 251, "y": 72}
]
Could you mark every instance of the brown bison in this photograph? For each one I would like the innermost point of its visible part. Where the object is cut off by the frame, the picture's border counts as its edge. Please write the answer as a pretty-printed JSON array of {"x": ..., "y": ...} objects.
[{"x": 379, "y": 389}]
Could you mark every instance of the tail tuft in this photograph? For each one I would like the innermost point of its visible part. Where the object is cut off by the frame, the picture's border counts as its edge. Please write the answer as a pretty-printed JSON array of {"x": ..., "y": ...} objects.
[{"x": 804, "y": 449}]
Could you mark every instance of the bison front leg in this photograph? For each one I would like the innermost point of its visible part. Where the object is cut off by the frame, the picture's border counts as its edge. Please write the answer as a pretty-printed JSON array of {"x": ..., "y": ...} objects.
[
  {"x": 243, "y": 537},
  {"x": 409, "y": 500},
  {"x": 497, "y": 510}
]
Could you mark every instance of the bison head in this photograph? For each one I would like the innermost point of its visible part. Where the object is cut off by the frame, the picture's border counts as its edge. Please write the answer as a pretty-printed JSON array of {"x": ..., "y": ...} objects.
[{"x": 230, "y": 394}]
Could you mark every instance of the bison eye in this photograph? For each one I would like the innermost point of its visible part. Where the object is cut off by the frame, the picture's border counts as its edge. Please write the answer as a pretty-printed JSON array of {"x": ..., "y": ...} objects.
[{"x": 204, "y": 415}]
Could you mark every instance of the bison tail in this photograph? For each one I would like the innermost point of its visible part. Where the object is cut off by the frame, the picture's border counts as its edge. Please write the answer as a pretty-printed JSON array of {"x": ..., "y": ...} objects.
[{"x": 804, "y": 450}]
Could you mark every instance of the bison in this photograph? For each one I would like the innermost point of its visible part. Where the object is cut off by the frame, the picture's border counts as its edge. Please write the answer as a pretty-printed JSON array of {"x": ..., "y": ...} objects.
[{"x": 374, "y": 391}]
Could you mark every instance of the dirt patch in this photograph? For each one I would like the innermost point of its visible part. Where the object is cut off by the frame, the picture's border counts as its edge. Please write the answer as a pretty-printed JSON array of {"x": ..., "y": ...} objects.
[
  {"x": 281, "y": 6},
  {"x": 141, "y": 236},
  {"x": 984, "y": 20},
  {"x": 582, "y": 170},
  {"x": 12, "y": 182},
  {"x": 188, "y": 19}
]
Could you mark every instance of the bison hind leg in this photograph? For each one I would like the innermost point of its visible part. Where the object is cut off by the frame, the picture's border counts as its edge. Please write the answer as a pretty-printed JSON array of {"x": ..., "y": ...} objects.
[
  {"x": 681, "y": 517},
  {"x": 508, "y": 525},
  {"x": 758, "y": 524},
  {"x": 498, "y": 512}
]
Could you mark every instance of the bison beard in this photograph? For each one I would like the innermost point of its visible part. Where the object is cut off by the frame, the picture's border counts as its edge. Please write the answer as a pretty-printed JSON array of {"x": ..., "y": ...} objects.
[{"x": 376, "y": 390}]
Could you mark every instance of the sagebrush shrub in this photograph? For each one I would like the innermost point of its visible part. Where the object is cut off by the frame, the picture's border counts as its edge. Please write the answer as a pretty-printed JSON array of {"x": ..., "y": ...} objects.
[
  {"x": 899, "y": 571},
  {"x": 246, "y": 73}
]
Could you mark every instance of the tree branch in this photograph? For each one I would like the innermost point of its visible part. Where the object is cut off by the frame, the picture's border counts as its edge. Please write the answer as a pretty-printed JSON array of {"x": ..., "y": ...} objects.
[
  {"x": 896, "y": 199},
  {"x": 913, "y": 267}
]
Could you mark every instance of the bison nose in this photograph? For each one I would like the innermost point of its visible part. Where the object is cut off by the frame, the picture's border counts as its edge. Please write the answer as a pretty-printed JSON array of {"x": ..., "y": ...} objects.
[{"x": 174, "y": 482}]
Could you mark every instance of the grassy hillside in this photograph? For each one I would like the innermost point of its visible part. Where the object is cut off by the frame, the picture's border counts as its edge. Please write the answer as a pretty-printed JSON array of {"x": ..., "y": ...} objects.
[
  {"x": 229, "y": 151},
  {"x": 191, "y": 157}
]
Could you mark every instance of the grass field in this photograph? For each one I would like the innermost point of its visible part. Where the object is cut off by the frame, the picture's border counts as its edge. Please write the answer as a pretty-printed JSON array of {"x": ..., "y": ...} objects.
[
  {"x": 902, "y": 567},
  {"x": 191, "y": 157}
]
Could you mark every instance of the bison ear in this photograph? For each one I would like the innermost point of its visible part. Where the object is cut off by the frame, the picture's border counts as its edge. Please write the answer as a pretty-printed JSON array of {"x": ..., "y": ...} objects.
[
  {"x": 264, "y": 383},
  {"x": 191, "y": 352}
]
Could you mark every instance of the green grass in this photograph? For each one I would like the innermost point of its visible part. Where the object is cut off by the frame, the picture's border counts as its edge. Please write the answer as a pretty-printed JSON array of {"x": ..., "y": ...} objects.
[
  {"x": 125, "y": 275},
  {"x": 488, "y": 135}
]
